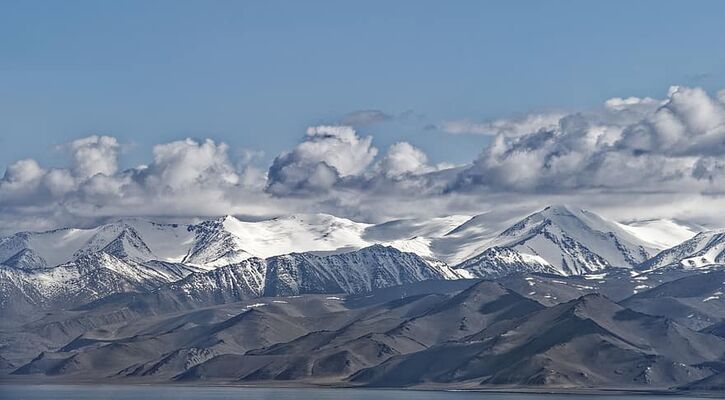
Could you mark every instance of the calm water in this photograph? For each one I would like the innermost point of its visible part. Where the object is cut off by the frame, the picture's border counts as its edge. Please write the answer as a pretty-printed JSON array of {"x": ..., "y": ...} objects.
[{"x": 110, "y": 392}]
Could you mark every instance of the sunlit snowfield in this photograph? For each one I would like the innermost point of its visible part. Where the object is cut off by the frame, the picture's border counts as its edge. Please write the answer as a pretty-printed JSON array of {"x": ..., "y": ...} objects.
[{"x": 117, "y": 392}]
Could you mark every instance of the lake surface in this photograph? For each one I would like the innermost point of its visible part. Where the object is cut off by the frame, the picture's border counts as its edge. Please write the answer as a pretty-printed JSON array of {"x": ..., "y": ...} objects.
[{"x": 118, "y": 392}]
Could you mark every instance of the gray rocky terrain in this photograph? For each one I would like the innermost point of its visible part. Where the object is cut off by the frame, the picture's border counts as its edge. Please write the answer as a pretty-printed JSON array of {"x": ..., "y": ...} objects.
[{"x": 562, "y": 299}]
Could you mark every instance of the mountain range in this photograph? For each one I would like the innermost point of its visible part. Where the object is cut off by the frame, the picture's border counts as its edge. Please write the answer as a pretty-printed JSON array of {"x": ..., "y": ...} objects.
[{"x": 561, "y": 297}]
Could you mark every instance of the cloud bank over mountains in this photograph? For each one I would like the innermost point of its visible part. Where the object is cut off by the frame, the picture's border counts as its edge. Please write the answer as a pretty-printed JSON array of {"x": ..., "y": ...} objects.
[{"x": 634, "y": 158}]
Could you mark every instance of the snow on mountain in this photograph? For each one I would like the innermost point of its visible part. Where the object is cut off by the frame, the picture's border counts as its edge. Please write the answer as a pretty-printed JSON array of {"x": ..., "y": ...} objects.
[
  {"x": 419, "y": 245},
  {"x": 55, "y": 247},
  {"x": 120, "y": 240},
  {"x": 661, "y": 233},
  {"x": 87, "y": 278},
  {"x": 96, "y": 275},
  {"x": 705, "y": 250},
  {"x": 229, "y": 240},
  {"x": 497, "y": 262},
  {"x": 226, "y": 258},
  {"x": 452, "y": 239},
  {"x": 214, "y": 245},
  {"x": 139, "y": 274},
  {"x": 298, "y": 233},
  {"x": 209, "y": 243},
  {"x": 358, "y": 271},
  {"x": 316, "y": 233},
  {"x": 169, "y": 242},
  {"x": 474, "y": 235},
  {"x": 225, "y": 284},
  {"x": 26, "y": 259},
  {"x": 561, "y": 239},
  {"x": 134, "y": 238},
  {"x": 45, "y": 268},
  {"x": 415, "y": 227}
]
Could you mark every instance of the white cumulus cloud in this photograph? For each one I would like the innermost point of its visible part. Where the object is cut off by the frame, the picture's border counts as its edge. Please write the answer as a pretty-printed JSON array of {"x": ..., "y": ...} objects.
[
  {"x": 94, "y": 155},
  {"x": 403, "y": 158},
  {"x": 634, "y": 156},
  {"x": 327, "y": 154},
  {"x": 663, "y": 149},
  {"x": 507, "y": 127}
]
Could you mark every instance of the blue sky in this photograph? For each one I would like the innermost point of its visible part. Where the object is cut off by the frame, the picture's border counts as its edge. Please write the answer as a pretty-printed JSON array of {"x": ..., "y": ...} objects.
[{"x": 256, "y": 74}]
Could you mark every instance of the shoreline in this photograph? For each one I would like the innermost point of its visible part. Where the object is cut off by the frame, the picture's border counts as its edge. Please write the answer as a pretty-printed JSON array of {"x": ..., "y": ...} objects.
[{"x": 422, "y": 388}]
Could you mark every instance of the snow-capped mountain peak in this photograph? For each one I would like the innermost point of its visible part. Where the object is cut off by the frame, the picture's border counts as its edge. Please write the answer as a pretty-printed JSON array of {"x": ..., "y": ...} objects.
[
  {"x": 704, "y": 250},
  {"x": 120, "y": 240},
  {"x": 563, "y": 239},
  {"x": 298, "y": 233},
  {"x": 26, "y": 259},
  {"x": 215, "y": 245},
  {"x": 558, "y": 239}
]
